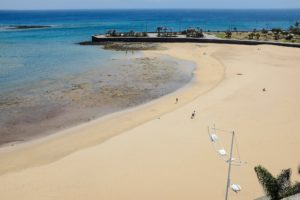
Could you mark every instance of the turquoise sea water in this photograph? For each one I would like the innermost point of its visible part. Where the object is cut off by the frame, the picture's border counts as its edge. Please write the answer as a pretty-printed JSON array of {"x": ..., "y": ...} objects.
[{"x": 27, "y": 55}]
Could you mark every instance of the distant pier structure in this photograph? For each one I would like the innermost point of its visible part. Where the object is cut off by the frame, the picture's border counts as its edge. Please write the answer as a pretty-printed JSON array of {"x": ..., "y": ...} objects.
[{"x": 165, "y": 35}]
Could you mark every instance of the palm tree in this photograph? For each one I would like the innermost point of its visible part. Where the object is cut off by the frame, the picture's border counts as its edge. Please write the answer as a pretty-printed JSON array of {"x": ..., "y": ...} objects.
[
  {"x": 276, "y": 32},
  {"x": 273, "y": 186},
  {"x": 158, "y": 30},
  {"x": 295, "y": 29},
  {"x": 131, "y": 33},
  {"x": 257, "y": 35},
  {"x": 251, "y": 35},
  {"x": 113, "y": 33},
  {"x": 165, "y": 29},
  {"x": 289, "y": 37},
  {"x": 294, "y": 189},
  {"x": 277, "y": 187},
  {"x": 264, "y": 31},
  {"x": 228, "y": 34},
  {"x": 145, "y": 34},
  {"x": 276, "y": 36}
]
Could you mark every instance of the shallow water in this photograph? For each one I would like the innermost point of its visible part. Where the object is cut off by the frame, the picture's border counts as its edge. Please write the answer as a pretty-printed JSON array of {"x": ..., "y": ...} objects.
[{"x": 51, "y": 104}]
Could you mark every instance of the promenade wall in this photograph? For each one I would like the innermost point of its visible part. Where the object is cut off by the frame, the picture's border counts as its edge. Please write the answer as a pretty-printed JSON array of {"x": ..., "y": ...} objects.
[{"x": 96, "y": 39}]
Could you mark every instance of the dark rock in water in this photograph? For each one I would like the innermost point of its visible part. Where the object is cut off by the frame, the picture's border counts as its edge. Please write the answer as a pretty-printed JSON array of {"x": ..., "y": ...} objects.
[
  {"x": 130, "y": 46},
  {"x": 89, "y": 43},
  {"x": 28, "y": 27},
  {"x": 124, "y": 46}
]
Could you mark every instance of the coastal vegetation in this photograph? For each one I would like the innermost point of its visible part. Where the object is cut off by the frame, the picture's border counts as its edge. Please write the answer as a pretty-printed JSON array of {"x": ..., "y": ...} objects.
[
  {"x": 114, "y": 33},
  {"x": 165, "y": 32},
  {"x": 189, "y": 32},
  {"x": 228, "y": 34},
  {"x": 277, "y": 187},
  {"x": 292, "y": 34},
  {"x": 193, "y": 32},
  {"x": 160, "y": 31}
]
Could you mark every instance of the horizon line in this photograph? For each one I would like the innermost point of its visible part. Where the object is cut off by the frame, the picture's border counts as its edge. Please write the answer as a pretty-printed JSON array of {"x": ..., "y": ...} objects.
[{"x": 91, "y": 9}]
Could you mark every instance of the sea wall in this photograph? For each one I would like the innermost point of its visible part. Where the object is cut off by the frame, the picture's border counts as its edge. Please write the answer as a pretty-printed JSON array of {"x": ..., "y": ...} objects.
[{"x": 97, "y": 39}]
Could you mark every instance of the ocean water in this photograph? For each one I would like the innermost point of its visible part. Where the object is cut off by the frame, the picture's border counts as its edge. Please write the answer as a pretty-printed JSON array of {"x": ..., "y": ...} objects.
[
  {"x": 27, "y": 55},
  {"x": 44, "y": 74}
]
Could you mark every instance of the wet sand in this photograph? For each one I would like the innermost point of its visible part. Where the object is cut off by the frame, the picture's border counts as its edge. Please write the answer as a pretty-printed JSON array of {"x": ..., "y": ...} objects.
[{"x": 155, "y": 151}]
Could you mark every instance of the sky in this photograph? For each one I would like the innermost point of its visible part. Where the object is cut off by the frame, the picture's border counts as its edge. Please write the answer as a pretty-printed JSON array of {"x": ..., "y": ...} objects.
[{"x": 135, "y": 4}]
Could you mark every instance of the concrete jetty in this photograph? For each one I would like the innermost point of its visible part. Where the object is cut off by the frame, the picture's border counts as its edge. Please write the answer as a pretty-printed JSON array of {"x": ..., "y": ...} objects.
[{"x": 152, "y": 37}]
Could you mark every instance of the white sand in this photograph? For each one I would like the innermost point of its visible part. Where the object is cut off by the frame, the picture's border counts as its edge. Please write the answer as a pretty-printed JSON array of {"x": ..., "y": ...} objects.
[{"x": 172, "y": 157}]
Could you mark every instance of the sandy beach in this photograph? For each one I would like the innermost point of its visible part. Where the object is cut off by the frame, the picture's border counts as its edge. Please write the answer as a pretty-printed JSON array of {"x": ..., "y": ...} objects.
[{"x": 155, "y": 151}]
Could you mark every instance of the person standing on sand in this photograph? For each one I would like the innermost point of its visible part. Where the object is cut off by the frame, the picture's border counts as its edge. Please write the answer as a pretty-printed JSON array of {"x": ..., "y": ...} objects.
[
  {"x": 176, "y": 100},
  {"x": 193, "y": 115}
]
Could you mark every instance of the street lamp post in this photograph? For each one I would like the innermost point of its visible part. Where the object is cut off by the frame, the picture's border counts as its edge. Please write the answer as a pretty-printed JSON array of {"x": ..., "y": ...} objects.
[
  {"x": 229, "y": 166},
  {"x": 221, "y": 151}
]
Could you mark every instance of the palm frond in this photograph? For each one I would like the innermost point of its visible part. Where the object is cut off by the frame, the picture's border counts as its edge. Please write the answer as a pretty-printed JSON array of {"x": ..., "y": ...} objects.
[
  {"x": 268, "y": 182},
  {"x": 292, "y": 190},
  {"x": 283, "y": 179}
]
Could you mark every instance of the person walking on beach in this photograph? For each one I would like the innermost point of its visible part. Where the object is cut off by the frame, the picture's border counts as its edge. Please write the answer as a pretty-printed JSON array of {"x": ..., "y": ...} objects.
[
  {"x": 176, "y": 100},
  {"x": 193, "y": 115}
]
